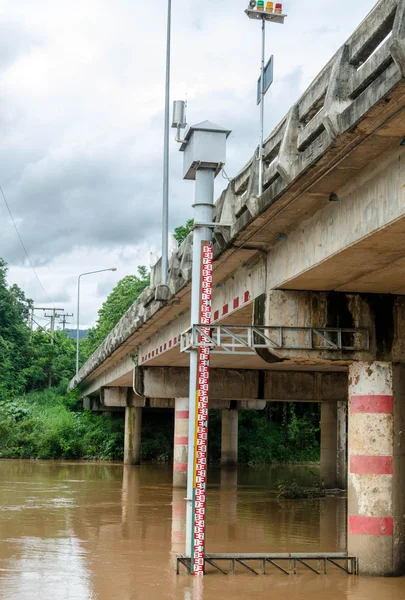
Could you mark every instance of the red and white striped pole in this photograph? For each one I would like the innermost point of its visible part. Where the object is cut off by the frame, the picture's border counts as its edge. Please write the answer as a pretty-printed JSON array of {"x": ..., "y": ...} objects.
[
  {"x": 201, "y": 430},
  {"x": 204, "y": 148}
]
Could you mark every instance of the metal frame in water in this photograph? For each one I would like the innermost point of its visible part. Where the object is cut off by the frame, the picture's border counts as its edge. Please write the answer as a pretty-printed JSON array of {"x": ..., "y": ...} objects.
[{"x": 291, "y": 562}]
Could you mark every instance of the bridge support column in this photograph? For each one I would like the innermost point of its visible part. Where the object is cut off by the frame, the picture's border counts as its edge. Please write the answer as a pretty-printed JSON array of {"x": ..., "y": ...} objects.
[
  {"x": 333, "y": 444},
  {"x": 341, "y": 474},
  {"x": 376, "y": 499},
  {"x": 132, "y": 436},
  {"x": 180, "y": 453},
  {"x": 229, "y": 438}
]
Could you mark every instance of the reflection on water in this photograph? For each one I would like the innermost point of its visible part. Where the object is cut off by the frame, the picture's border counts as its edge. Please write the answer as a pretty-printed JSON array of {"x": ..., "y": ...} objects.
[{"x": 103, "y": 532}]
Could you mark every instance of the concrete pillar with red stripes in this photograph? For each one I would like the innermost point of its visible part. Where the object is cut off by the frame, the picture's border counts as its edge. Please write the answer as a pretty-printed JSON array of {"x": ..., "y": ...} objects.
[
  {"x": 376, "y": 443},
  {"x": 180, "y": 453}
]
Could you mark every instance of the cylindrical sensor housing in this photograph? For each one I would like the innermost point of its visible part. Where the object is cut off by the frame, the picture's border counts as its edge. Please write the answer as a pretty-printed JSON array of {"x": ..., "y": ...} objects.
[{"x": 179, "y": 111}]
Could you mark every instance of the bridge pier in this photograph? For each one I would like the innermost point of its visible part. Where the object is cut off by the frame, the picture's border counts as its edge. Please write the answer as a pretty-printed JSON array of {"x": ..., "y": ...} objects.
[
  {"x": 180, "y": 452},
  {"x": 229, "y": 438},
  {"x": 132, "y": 435},
  {"x": 376, "y": 498},
  {"x": 333, "y": 444}
]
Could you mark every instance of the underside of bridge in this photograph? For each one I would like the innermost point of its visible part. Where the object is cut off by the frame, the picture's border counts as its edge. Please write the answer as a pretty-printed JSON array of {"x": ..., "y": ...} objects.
[{"x": 309, "y": 285}]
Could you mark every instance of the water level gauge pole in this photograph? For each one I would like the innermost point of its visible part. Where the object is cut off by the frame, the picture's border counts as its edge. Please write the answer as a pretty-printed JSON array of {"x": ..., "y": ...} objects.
[{"x": 204, "y": 149}]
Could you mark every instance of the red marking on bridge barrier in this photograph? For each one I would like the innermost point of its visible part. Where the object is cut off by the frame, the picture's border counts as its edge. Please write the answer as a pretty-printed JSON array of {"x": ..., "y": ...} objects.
[
  {"x": 201, "y": 433},
  {"x": 180, "y": 467},
  {"x": 371, "y": 525},
  {"x": 371, "y": 465},
  {"x": 235, "y": 303},
  {"x": 225, "y": 309},
  {"x": 181, "y": 441},
  {"x": 216, "y": 315},
  {"x": 182, "y": 414},
  {"x": 371, "y": 403},
  {"x": 246, "y": 296}
]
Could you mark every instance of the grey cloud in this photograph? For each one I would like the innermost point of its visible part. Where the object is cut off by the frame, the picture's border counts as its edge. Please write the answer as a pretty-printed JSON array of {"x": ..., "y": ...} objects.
[{"x": 15, "y": 40}]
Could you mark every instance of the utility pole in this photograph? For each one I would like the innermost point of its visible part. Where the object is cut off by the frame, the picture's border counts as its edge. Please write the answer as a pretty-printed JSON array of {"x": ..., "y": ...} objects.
[
  {"x": 64, "y": 318},
  {"x": 31, "y": 322},
  {"x": 53, "y": 317}
]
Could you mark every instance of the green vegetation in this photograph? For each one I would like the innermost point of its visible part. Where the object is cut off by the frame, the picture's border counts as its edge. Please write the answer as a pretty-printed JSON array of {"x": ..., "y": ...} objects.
[
  {"x": 37, "y": 422},
  {"x": 50, "y": 424},
  {"x": 118, "y": 302},
  {"x": 282, "y": 433},
  {"x": 181, "y": 232},
  {"x": 293, "y": 491}
]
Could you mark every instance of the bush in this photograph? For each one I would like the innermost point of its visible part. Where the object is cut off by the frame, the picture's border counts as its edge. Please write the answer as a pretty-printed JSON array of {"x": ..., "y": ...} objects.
[
  {"x": 48, "y": 425},
  {"x": 292, "y": 491}
]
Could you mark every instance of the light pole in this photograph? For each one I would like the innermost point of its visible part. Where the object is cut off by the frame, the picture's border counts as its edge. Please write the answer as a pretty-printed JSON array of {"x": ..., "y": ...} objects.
[
  {"x": 273, "y": 12},
  {"x": 165, "y": 206},
  {"x": 78, "y": 309}
]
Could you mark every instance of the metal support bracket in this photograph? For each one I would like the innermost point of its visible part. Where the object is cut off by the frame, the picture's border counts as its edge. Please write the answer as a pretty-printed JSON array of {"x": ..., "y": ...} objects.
[{"x": 245, "y": 339}]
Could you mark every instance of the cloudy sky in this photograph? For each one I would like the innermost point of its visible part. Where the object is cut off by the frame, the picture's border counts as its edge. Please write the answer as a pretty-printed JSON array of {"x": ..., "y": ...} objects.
[{"x": 81, "y": 122}]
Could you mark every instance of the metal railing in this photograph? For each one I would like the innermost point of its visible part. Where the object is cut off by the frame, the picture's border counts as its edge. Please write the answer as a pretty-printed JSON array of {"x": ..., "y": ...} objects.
[{"x": 246, "y": 339}]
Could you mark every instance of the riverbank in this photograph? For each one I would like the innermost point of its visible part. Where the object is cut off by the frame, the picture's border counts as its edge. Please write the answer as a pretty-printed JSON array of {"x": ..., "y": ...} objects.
[{"x": 52, "y": 424}]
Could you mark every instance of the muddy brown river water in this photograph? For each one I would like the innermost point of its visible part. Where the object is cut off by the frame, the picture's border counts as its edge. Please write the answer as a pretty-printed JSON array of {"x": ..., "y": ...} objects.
[{"x": 78, "y": 531}]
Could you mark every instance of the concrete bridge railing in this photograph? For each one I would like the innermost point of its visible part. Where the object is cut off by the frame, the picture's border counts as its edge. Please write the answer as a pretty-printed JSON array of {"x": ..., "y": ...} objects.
[{"x": 361, "y": 73}]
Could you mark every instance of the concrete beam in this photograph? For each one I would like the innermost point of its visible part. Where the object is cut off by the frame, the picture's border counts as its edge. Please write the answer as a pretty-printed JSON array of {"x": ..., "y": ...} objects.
[
  {"x": 383, "y": 315},
  {"x": 326, "y": 252},
  {"x": 232, "y": 384}
]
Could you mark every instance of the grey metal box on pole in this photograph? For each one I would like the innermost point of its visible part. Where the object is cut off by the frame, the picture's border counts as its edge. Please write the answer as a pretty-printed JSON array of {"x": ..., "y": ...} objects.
[{"x": 204, "y": 147}]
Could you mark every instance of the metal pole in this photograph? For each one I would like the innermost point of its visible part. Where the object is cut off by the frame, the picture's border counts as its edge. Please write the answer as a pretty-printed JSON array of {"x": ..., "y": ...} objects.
[
  {"x": 260, "y": 190},
  {"x": 77, "y": 325},
  {"x": 165, "y": 209},
  {"x": 203, "y": 213}
]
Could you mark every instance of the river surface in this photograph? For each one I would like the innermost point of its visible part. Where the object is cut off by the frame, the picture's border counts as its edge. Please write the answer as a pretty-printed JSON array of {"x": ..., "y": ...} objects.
[{"x": 79, "y": 531}]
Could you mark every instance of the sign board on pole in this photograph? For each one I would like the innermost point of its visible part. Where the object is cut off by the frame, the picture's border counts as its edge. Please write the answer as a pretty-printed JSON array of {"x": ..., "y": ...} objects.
[{"x": 268, "y": 78}]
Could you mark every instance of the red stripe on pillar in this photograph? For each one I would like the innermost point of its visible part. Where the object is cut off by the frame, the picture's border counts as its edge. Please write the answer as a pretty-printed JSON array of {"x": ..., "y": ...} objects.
[
  {"x": 179, "y": 510},
  {"x": 180, "y": 467},
  {"x": 181, "y": 441},
  {"x": 371, "y": 403},
  {"x": 371, "y": 465},
  {"x": 371, "y": 525},
  {"x": 178, "y": 536},
  {"x": 181, "y": 414}
]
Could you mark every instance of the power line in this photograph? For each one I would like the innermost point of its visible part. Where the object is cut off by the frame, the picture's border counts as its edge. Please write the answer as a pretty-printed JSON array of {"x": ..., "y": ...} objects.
[{"x": 22, "y": 244}]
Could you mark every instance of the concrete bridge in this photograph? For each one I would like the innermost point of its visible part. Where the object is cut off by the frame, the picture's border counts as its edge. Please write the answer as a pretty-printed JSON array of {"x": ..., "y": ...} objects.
[{"x": 309, "y": 285}]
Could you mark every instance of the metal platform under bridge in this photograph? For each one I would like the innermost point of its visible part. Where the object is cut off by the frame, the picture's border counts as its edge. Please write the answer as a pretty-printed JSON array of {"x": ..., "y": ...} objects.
[{"x": 262, "y": 564}]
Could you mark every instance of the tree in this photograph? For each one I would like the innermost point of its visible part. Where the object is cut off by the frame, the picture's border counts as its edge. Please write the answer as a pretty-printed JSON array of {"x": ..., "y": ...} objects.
[
  {"x": 118, "y": 302},
  {"x": 14, "y": 334},
  {"x": 181, "y": 232}
]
